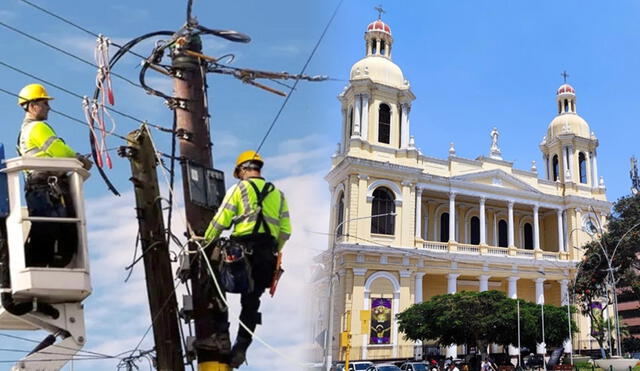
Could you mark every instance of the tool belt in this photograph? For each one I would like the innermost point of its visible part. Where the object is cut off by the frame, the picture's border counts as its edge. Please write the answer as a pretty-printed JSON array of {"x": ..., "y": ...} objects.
[{"x": 233, "y": 264}]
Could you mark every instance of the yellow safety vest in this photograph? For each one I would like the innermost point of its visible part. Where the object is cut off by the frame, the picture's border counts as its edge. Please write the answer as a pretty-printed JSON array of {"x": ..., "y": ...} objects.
[
  {"x": 38, "y": 139},
  {"x": 240, "y": 209}
]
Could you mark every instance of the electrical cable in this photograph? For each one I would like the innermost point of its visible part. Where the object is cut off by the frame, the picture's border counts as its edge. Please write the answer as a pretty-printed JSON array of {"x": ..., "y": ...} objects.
[
  {"x": 76, "y": 26},
  {"x": 297, "y": 80},
  {"x": 25, "y": 34},
  {"x": 72, "y": 93},
  {"x": 172, "y": 172},
  {"x": 153, "y": 320},
  {"x": 62, "y": 114},
  {"x": 112, "y": 62},
  {"x": 63, "y": 347}
]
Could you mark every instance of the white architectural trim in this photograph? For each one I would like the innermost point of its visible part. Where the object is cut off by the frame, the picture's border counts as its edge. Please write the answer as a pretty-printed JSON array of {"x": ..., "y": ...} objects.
[
  {"x": 523, "y": 220},
  {"x": 393, "y": 187},
  {"x": 471, "y": 212},
  {"x": 382, "y": 274},
  {"x": 441, "y": 209},
  {"x": 394, "y": 307}
]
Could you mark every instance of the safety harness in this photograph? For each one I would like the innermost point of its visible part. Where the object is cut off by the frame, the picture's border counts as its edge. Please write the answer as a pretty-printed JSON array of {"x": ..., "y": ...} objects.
[
  {"x": 268, "y": 187},
  {"x": 234, "y": 268}
]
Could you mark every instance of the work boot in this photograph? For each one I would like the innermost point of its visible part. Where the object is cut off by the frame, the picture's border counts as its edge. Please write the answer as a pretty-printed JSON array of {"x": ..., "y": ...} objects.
[
  {"x": 239, "y": 352},
  {"x": 219, "y": 343}
]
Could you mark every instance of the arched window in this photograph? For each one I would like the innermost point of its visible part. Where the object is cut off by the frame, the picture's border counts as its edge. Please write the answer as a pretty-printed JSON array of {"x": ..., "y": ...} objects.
[
  {"x": 582, "y": 165},
  {"x": 340, "y": 215},
  {"x": 350, "y": 120},
  {"x": 383, "y": 47},
  {"x": 373, "y": 47},
  {"x": 556, "y": 170},
  {"x": 475, "y": 230},
  {"x": 383, "y": 202},
  {"x": 566, "y": 105},
  {"x": 502, "y": 234},
  {"x": 384, "y": 124},
  {"x": 528, "y": 236},
  {"x": 444, "y": 227}
]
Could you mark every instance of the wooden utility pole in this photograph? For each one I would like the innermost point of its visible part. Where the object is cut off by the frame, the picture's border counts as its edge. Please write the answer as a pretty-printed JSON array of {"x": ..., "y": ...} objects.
[
  {"x": 195, "y": 149},
  {"x": 155, "y": 251}
]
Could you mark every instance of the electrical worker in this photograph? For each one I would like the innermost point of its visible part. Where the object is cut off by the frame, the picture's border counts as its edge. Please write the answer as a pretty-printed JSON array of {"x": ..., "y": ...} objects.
[
  {"x": 264, "y": 231},
  {"x": 47, "y": 193}
]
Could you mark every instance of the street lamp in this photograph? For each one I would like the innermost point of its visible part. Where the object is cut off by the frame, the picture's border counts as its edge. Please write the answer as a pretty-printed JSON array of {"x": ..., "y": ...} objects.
[
  {"x": 612, "y": 284},
  {"x": 328, "y": 339}
]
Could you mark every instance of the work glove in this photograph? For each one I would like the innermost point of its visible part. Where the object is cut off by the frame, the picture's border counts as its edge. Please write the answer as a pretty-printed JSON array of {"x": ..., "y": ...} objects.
[{"x": 86, "y": 163}]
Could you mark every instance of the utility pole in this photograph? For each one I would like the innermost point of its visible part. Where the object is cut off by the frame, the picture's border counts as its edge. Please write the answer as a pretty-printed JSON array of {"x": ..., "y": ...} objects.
[
  {"x": 155, "y": 251},
  {"x": 192, "y": 129}
]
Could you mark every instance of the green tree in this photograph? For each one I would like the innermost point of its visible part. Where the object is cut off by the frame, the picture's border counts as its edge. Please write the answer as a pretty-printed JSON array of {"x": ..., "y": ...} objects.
[
  {"x": 620, "y": 244},
  {"x": 481, "y": 318}
]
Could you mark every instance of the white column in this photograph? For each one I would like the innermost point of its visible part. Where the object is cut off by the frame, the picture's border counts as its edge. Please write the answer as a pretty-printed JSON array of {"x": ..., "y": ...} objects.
[
  {"x": 560, "y": 231},
  {"x": 513, "y": 287},
  {"x": 452, "y": 284},
  {"x": 418, "y": 299},
  {"x": 510, "y": 229},
  {"x": 452, "y": 217},
  {"x": 588, "y": 174},
  {"x": 418, "y": 289},
  {"x": 495, "y": 228},
  {"x": 595, "y": 170},
  {"x": 418, "y": 221},
  {"x": 404, "y": 125},
  {"x": 356, "y": 116},
  {"x": 541, "y": 347},
  {"x": 483, "y": 227},
  {"x": 565, "y": 164},
  {"x": 452, "y": 350},
  {"x": 484, "y": 282},
  {"x": 364, "y": 122},
  {"x": 571, "y": 165},
  {"x": 513, "y": 294},
  {"x": 536, "y": 228},
  {"x": 540, "y": 291}
]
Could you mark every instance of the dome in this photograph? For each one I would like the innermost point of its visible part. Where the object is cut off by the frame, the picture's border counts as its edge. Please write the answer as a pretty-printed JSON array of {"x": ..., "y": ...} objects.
[
  {"x": 568, "y": 123},
  {"x": 378, "y": 25},
  {"x": 566, "y": 88},
  {"x": 379, "y": 69}
]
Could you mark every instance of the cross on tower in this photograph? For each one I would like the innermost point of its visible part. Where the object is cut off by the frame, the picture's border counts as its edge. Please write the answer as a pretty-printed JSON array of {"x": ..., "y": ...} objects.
[
  {"x": 564, "y": 74},
  {"x": 379, "y": 10}
]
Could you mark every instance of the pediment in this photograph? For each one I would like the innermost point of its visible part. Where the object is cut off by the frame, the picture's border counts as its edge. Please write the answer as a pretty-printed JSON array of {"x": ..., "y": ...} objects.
[{"x": 496, "y": 178}]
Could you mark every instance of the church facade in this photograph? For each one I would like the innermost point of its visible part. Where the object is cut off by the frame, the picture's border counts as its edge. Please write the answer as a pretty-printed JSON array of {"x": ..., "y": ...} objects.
[{"x": 406, "y": 227}]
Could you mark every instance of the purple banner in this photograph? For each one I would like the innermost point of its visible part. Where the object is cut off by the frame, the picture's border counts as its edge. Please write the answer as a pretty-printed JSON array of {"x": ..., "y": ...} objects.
[{"x": 380, "y": 321}]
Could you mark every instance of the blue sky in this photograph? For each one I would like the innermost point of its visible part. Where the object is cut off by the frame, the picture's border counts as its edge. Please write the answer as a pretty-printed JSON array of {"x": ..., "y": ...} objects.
[{"x": 472, "y": 65}]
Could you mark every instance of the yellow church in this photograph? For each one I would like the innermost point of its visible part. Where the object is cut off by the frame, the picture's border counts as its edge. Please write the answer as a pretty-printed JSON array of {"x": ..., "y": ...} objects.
[{"x": 409, "y": 226}]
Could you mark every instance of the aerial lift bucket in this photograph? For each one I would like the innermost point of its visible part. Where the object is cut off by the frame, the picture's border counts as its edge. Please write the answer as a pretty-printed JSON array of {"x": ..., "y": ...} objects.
[{"x": 46, "y": 297}]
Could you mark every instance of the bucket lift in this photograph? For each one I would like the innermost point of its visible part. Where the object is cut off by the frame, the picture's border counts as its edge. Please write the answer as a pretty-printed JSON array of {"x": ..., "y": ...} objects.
[{"x": 42, "y": 297}]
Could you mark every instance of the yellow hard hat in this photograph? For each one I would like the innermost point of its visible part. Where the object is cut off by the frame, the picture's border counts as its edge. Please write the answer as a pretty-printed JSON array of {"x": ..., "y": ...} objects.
[
  {"x": 249, "y": 156},
  {"x": 244, "y": 157},
  {"x": 32, "y": 92}
]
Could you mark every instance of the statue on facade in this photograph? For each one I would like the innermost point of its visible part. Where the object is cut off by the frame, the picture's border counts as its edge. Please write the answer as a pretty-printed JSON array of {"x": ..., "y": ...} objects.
[{"x": 495, "y": 152}]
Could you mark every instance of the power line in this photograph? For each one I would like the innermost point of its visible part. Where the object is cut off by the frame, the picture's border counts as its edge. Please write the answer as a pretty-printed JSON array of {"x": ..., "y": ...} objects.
[
  {"x": 78, "y": 26},
  {"x": 64, "y": 52},
  {"x": 304, "y": 68},
  {"x": 72, "y": 93},
  {"x": 63, "y": 347},
  {"x": 64, "y": 115}
]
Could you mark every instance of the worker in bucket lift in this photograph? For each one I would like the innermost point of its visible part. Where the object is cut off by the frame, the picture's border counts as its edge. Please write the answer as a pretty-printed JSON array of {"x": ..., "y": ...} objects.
[
  {"x": 47, "y": 193},
  {"x": 261, "y": 226}
]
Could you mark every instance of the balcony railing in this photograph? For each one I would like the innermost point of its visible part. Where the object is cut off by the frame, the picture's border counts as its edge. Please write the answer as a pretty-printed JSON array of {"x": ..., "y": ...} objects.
[{"x": 462, "y": 248}]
